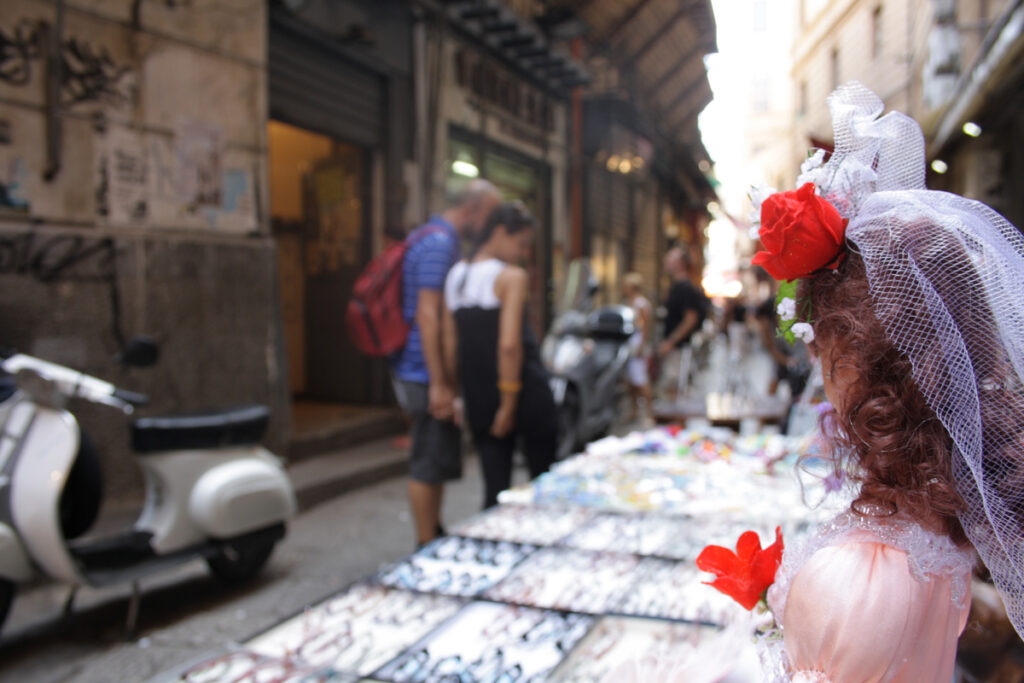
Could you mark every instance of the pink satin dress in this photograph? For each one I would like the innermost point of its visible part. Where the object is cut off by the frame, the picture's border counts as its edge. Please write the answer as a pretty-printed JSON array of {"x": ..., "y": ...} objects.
[{"x": 870, "y": 600}]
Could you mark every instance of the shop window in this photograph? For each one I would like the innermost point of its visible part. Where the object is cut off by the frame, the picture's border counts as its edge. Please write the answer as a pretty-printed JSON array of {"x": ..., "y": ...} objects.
[
  {"x": 463, "y": 166},
  {"x": 515, "y": 179}
]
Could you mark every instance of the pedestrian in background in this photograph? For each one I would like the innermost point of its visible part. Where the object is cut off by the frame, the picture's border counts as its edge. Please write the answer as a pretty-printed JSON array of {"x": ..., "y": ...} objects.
[
  {"x": 639, "y": 345},
  {"x": 792, "y": 361},
  {"x": 424, "y": 386},
  {"x": 488, "y": 336},
  {"x": 686, "y": 308}
]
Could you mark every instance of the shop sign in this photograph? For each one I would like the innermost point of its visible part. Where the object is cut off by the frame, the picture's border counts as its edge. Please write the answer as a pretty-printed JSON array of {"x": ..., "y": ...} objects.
[{"x": 499, "y": 87}]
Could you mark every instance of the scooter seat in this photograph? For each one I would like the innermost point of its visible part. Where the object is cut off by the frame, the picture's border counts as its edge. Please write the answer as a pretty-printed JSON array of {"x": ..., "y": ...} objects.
[{"x": 233, "y": 427}]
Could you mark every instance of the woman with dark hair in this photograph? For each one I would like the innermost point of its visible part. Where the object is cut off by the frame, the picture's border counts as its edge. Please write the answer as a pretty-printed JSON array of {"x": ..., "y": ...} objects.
[
  {"x": 914, "y": 302},
  {"x": 488, "y": 337}
]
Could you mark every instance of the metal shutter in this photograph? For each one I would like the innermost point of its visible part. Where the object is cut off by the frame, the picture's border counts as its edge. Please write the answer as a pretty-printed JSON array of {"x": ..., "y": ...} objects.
[{"x": 314, "y": 87}]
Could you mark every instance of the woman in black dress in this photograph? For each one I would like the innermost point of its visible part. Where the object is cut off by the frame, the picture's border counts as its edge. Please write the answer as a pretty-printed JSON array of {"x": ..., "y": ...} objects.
[{"x": 488, "y": 337}]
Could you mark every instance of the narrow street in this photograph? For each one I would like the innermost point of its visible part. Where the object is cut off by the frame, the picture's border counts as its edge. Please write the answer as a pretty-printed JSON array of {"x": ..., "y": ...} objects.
[
  {"x": 329, "y": 545},
  {"x": 181, "y": 616},
  {"x": 231, "y": 230}
]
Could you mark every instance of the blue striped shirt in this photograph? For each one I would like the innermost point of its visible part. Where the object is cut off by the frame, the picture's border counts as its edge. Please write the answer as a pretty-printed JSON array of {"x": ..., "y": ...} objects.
[{"x": 426, "y": 265}]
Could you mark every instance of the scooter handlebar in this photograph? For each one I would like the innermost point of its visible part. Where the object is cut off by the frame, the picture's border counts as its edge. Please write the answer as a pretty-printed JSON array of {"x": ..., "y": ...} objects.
[
  {"x": 72, "y": 383},
  {"x": 131, "y": 397}
]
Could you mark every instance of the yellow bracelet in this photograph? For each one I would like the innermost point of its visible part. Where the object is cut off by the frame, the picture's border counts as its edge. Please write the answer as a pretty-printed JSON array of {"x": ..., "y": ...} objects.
[{"x": 509, "y": 387}]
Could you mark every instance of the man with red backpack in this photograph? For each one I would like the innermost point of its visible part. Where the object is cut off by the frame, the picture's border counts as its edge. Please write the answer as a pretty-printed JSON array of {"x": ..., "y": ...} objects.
[{"x": 424, "y": 386}]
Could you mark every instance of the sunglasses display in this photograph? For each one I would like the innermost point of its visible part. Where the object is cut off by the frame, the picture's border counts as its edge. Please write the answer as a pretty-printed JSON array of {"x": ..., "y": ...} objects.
[
  {"x": 586, "y": 574},
  {"x": 455, "y": 566},
  {"x": 357, "y": 631},
  {"x": 671, "y": 651},
  {"x": 537, "y": 525},
  {"x": 491, "y": 642}
]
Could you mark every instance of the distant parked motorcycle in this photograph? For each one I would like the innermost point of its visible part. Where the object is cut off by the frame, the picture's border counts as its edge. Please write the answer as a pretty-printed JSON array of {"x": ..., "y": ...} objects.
[
  {"x": 586, "y": 352},
  {"x": 211, "y": 490}
]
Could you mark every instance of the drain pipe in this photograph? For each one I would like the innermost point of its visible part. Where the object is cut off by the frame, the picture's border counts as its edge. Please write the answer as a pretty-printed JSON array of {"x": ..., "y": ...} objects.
[{"x": 50, "y": 39}]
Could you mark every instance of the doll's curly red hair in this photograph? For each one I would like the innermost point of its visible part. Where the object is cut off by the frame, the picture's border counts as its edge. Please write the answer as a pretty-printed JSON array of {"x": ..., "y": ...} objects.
[{"x": 901, "y": 454}]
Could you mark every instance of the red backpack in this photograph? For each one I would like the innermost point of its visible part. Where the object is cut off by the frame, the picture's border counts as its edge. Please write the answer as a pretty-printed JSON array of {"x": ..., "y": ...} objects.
[{"x": 374, "y": 319}]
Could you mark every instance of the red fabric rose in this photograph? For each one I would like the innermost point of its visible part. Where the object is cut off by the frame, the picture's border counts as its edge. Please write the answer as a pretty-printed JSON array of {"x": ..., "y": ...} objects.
[
  {"x": 743, "y": 575},
  {"x": 801, "y": 233}
]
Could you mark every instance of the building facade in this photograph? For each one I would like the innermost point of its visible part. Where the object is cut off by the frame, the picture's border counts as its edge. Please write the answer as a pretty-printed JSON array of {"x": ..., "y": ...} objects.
[
  {"x": 953, "y": 65},
  {"x": 217, "y": 176},
  {"x": 133, "y": 151}
]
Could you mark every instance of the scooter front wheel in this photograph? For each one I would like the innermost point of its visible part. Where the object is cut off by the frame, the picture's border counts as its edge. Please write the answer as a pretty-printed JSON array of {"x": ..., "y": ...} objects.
[{"x": 241, "y": 559}]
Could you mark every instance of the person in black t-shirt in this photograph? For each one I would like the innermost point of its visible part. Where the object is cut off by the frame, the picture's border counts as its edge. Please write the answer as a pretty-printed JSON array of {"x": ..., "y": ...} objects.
[{"x": 685, "y": 310}]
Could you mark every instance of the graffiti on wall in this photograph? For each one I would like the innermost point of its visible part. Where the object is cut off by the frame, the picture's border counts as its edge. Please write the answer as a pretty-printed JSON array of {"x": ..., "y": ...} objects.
[
  {"x": 88, "y": 73},
  {"x": 19, "y": 46},
  {"x": 57, "y": 258},
  {"x": 179, "y": 180},
  {"x": 65, "y": 258}
]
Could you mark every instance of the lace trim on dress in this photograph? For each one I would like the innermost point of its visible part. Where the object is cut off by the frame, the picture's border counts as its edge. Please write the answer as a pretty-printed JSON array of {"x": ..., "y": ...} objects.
[
  {"x": 810, "y": 677},
  {"x": 928, "y": 554}
]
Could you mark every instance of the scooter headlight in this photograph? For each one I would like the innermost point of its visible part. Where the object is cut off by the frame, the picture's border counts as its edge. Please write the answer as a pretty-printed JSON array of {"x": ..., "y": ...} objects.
[{"x": 568, "y": 354}]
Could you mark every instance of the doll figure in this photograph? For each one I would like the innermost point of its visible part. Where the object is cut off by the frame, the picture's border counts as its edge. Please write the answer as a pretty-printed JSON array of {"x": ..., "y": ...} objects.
[{"x": 914, "y": 302}]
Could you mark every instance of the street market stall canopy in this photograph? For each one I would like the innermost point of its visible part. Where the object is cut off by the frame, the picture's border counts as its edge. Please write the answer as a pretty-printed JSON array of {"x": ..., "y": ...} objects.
[
  {"x": 646, "y": 54},
  {"x": 652, "y": 51},
  {"x": 649, "y": 51}
]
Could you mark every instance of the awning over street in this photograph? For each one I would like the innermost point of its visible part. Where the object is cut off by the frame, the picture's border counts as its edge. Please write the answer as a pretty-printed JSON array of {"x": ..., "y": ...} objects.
[{"x": 652, "y": 52}]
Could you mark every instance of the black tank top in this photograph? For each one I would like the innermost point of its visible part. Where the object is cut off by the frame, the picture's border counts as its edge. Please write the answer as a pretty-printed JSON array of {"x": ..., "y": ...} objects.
[{"x": 469, "y": 294}]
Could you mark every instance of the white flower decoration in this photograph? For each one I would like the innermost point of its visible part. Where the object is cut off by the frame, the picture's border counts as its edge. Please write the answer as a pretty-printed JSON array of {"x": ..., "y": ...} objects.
[
  {"x": 804, "y": 332},
  {"x": 758, "y": 193},
  {"x": 786, "y": 308},
  {"x": 809, "y": 170},
  {"x": 755, "y": 233}
]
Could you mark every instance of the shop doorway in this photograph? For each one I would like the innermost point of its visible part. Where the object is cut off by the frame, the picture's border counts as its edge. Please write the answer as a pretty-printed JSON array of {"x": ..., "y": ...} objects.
[
  {"x": 318, "y": 213},
  {"x": 318, "y": 205}
]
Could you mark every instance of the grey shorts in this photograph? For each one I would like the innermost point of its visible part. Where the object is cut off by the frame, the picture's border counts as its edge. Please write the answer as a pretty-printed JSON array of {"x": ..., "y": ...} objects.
[{"x": 436, "y": 455}]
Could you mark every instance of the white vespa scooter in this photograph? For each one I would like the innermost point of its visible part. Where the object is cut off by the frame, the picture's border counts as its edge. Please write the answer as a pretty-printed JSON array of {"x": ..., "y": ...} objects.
[{"x": 211, "y": 490}]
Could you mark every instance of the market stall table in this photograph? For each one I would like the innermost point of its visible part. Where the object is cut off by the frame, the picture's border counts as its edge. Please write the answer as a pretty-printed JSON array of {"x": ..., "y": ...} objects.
[
  {"x": 722, "y": 409},
  {"x": 586, "y": 572}
]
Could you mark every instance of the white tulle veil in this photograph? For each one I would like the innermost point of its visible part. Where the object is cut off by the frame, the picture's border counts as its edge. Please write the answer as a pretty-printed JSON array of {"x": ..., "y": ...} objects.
[{"x": 946, "y": 276}]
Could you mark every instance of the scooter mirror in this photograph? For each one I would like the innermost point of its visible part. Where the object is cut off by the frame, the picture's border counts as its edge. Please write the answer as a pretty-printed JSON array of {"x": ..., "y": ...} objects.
[{"x": 140, "y": 352}]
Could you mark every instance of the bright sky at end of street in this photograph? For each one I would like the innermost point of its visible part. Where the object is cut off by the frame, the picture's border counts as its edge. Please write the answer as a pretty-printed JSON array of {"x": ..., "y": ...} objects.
[{"x": 724, "y": 120}]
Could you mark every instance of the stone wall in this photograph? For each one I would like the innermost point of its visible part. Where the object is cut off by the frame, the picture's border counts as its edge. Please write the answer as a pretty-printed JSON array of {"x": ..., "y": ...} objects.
[{"x": 143, "y": 210}]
